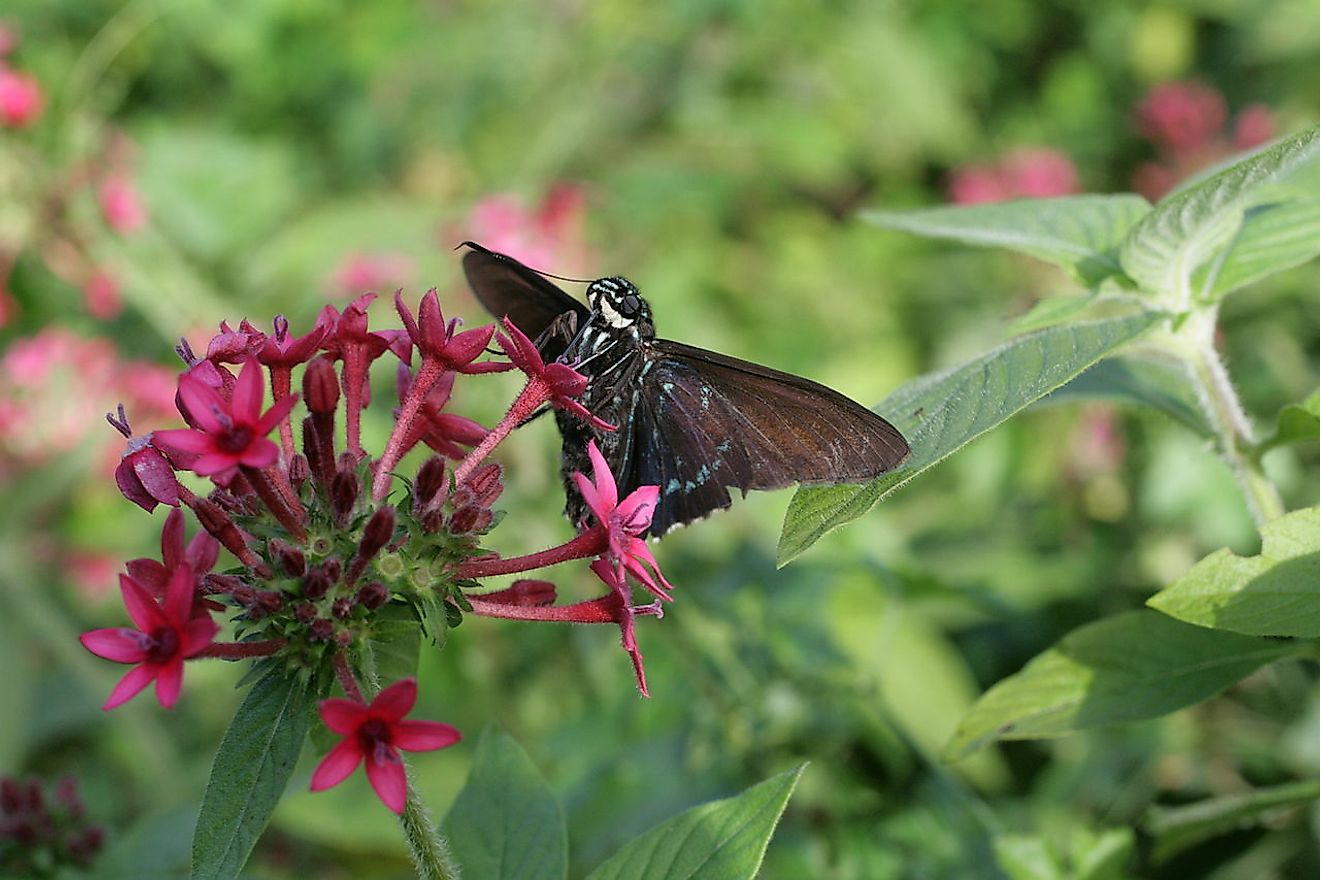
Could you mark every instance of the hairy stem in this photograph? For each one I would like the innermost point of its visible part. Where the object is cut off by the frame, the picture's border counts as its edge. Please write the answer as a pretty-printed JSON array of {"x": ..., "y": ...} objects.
[
  {"x": 429, "y": 850},
  {"x": 1223, "y": 409}
]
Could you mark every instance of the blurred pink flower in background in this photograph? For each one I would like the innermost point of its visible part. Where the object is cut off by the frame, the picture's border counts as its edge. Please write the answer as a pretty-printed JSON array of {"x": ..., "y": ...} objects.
[
  {"x": 548, "y": 236},
  {"x": 1186, "y": 122},
  {"x": 122, "y": 205},
  {"x": 8, "y": 37},
  {"x": 362, "y": 271},
  {"x": 101, "y": 294},
  {"x": 1030, "y": 172},
  {"x": 56, "y": 386},
  {"x": 20, "y": 98}
]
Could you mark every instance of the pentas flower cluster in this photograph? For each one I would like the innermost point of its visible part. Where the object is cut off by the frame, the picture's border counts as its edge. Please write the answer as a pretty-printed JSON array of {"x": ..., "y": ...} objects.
[{"x": 331, "y": 540}]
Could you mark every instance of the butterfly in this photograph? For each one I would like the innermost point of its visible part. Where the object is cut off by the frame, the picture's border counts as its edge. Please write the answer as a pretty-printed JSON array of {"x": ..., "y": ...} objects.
[{"x": 693, "y": 422}]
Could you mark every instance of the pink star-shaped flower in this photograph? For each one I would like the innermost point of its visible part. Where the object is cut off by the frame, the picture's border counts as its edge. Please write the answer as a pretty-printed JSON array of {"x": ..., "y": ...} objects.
[
  {"x": 441, "y": 341},
  {"x": 167, "y": 634},
  {"x": 374, "y": 733},
  {"x": 624, "y": 521},
  {"x": 229, "y": 433},
  {"x": 563, "y": 383}
]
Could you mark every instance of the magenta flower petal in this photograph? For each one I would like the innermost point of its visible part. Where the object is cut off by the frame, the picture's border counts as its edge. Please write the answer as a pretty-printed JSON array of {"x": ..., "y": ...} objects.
[
  {"x": 388, "y": 779},
  {"x": 184, "y": 440},
  {"x": 248, "y": 393},
  {"x": 276, "y": 414},
  {"x": 119, "y": 644},
  {"x": 600, "y": 471},
  {"x": 140, "y": 605},
  {"x": 202, "y": 402},
  {"x": 169, "y": 681},
  {"x": 261, "y": 453},
  {"x": 198, "y": 635},
  {"x": 337, "y": 765},
  {"x": 395, "y": 701},
  {"x": 179, "y": 594},
  {"x": 424, "y": 736},
  {"x": 342, "y": 716},
  {"x": 130, "y": 686},
  {"x": 214, "y": 465}
]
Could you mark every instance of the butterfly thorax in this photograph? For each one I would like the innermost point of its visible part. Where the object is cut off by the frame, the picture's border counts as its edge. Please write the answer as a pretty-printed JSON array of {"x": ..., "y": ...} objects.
[{"x": 610, "y": 350}]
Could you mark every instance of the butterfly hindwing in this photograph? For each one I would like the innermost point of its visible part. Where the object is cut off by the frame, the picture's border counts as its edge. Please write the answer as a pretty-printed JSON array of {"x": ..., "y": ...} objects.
[{"x": 705, "y": 423}]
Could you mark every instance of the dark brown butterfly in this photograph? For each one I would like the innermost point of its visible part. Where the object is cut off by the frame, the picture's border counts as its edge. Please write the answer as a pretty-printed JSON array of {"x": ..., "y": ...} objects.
[{"x": 693, "y": 422}]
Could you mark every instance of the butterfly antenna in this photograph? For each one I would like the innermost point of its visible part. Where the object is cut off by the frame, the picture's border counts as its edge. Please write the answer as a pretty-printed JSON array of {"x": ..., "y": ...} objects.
[{"x": 486, "y": 250}]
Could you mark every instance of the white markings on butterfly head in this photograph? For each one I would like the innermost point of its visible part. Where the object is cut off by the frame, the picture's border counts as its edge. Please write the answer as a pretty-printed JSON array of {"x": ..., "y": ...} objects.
[{"x": 619, "y": 304}]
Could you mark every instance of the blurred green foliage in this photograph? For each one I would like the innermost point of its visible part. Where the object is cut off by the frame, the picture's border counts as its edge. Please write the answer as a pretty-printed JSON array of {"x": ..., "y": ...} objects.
[{"x": 724, "y": 148}]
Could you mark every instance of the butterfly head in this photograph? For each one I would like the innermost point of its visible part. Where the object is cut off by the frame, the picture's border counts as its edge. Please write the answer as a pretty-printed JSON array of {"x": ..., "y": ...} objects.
[{"x": 619, "y": 304}]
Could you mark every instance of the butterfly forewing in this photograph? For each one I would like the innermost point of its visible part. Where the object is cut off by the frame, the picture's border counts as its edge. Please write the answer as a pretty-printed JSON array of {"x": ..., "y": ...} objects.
[{"x": 508, "y": 288}]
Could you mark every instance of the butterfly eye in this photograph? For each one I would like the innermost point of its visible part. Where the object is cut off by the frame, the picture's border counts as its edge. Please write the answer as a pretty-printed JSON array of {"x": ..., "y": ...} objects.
[{"x": 629, "y": 306}]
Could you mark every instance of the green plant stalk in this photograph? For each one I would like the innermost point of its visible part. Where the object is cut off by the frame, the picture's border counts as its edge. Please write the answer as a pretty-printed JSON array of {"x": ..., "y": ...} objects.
[
  {"x": 1194, "y": 345},
  {"x": 428, "y": 848},
  {"x": 430, "y": 852}
]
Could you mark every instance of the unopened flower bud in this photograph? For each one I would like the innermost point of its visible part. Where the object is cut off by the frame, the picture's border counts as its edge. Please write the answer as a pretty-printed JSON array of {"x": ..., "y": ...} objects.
[
  {"x": 270, "y": 600},
  {"x": 343, "y": 638},
  {"x": 378, "y": 532},
  {"x": 289, "y": 557},
  {"x": 244, "y": 595},
  {"x": 10, "y": 798},
  {"x": 304, "y": 612},
  {"x": 342, "y": 608},
  {"x": 470, "y": 520},
  {"x": 316, "y": 584},
  {"x": 332, "y": 569},
  {"x": 321, "y": 386},
  {"x": 299, "y": 470},
  {"x": 433, "y": 520},
  {"x": 373, "y": 595},
  {"x": 486, "y": 484},
  {"x": 344, "y": 490},
  {"x": 431, "y": 478},
  {"x": 322, "y": 630}
]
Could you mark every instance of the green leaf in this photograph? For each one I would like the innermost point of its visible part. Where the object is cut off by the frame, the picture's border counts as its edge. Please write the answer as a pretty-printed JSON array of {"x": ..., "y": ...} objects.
[
  {"x": 1052, "y": 311},
  {"x": 939, "y": 413},
  {"x": 723, "y": 840},
  {"x": 251, "y": 768},
  {"x": 506, "y": 822},
  {"x": 1163, "y": 385},
  {"x": 1177, "y": 828},
  {"x": 1276, "y": 593},
  {"x": 1027, "y": 857},
  {"x": 1298, "y": 422},
  {"x": 1101, "y": 856},
  {"x": 1125, "y": 668},
  {"x": 1081, "y": 234},
  {"x": 395, "y": 643},
  {"x": 1208, "y": 222}
]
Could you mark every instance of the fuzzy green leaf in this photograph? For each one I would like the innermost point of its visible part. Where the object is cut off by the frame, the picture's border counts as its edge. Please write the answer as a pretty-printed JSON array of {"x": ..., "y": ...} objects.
[
  {"x": 1275, "y": 593},
  {"x": 1298, "y": 423},
  {"x": 1080, "y": 234},
  {"x": 1231, "y": 227},
  {"x": 1162, "y": 385},
  {"x": 723, "y": 840},
  {"x": 939, "y": 413},
  {"x": 1129, "y": 667},
  {"x": 506, "y": 823},
  {"x": 251, "y": 768}
]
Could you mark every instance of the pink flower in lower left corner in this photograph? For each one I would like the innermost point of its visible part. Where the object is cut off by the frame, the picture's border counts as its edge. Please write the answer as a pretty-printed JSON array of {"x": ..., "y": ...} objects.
[
  {"x": 374, "y": 733},
  {"x": 166, "y": 635}
]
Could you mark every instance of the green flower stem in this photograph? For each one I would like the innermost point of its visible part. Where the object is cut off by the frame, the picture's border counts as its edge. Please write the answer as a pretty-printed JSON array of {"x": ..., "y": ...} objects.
[
  {"x": 1194, "y": 344},
  {"x": 430, "y": 852}
]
